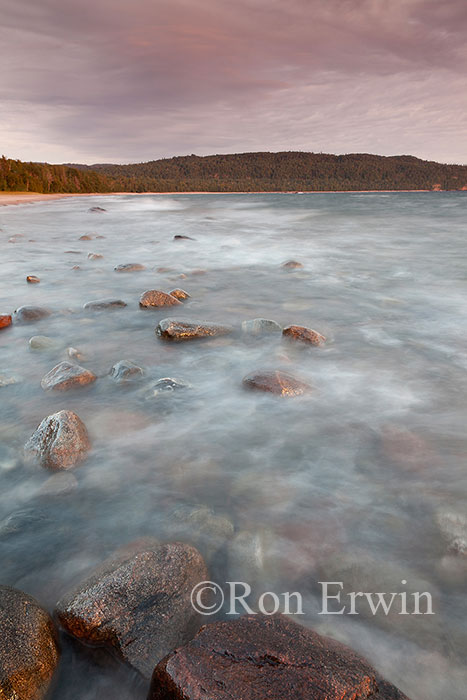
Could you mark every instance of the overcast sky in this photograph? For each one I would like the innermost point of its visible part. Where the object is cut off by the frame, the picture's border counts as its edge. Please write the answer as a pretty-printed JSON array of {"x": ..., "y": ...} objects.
[{"x": 134, "y": 80}]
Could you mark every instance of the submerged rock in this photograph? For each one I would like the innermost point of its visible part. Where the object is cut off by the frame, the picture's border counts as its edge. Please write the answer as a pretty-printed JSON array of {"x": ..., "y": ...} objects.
[
  {"x": 65, "y": 376},
  {"x": 260, "y": 326},
  {"x": 94, "y": 256},
  {"x": 137, "y": 606},
  {"x": 86, "y": 237},
  {"x": 292, "y": 265},
  {"x": 304, "y": 335},
  {"x": 165, "y": 385},
  {"x": 29, "y": 314},
  {"x": 97, "y": 210},
  {"x": 271, "y": 657},
  {"x": 154, "y": 297},
  {"x": 32, "y": 279},
  {"x": 42, "y": 342},
  {"x": 178, "y": 237},
  {"x": 29, "y": 650},
  {"x": 61, "y": 441},
  {"x": 453, "y": 527},
  {"x": 59, "y": 484},
  {"x": 276, "y": 382},
  {"x": 179, "y": 294},
  {"x": 202, "y": 527},
  {"x": 126, "y": 371},
  {"x": 5, "y": 320},
  {"x": 75, "y": 354},
  {"x": 176, "y": 329},
  {"x": 129, "y": 267},
  {"x": 102, "y": 304},
  {"x": 7, "y": 380}
]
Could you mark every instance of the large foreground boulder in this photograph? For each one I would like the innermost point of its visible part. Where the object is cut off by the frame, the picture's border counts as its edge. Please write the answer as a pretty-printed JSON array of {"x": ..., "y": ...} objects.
[
  {"x": 28, "y": 650},
  {"x": 257, "y": 657},
  {"x": 158, "y": 299},
  {"x": 137, "y": 606},
  {"x": 61, "y": 441},
  {"x": 176, "y": 329},
  {"x": 276, "y": 382},
  {"x": 66, "y": 376}
]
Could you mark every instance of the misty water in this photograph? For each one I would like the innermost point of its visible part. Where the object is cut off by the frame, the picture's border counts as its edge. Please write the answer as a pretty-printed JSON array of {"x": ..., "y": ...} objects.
[{"x": 363, "y": 481}]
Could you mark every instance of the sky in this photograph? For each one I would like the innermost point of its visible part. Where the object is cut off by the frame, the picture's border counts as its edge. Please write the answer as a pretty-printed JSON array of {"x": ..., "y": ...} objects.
[{"x": 135, "y": 80}]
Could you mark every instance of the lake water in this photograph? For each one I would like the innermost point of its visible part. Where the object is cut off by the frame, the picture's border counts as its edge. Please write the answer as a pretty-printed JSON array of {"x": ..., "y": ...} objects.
[{"x": 363, "y": 481}]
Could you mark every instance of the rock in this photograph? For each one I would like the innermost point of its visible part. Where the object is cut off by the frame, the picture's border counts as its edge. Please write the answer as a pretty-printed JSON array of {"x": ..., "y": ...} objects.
[
  {"x": 94, "y": 256},
  {"x": 291, "y": 265},
  {"x": 405, "y": 449},
  {"x": 32, "y": 279},
  {"x": 201, "y": 527},
  {"x": 154, "y": 297},
  {"x": 61, "y": 441},
  {"x": 260, "y": 326},
  {"x": 29, "y": 314},
  {"x": 126, "y": 371},
  {"x": 276, "y": 382},
  {"x": 165, "y": 385},
  {"x": 6, "y": 380},
  {"x": 304, "y": 335},
  {"x": 179, "y": 294},
  {"x": 59, "y": 484},
  {"x": 258, "y": 656},
  {"x": 137, "y": 606},
  {"x": 129, "y": 267},
  {"x": 453, "y": 527},
  {"x": 29, "y": 650},
  {"x": 86, "y": 237},
  {"x": 97, "y": 210},
  {"x": 176, "y": 329},
  {"x": 66, "y": 376},
  {"x": 42, "y": 342},
  {"x": 102, "y": 304},
  {"x": 183, "y": 238},
  {"x": 5, "y": 320},
  {"x": 75, "y": 354},
  {"x": 76, "y": 267}
]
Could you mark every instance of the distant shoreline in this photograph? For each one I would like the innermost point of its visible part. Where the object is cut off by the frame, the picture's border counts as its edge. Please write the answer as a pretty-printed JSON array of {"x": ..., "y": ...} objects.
[{"x": 15, "y": 198}]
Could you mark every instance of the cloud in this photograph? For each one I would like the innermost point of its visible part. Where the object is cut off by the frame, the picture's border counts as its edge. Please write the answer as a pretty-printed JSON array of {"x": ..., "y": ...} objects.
[{"x": 125, "y": 81}]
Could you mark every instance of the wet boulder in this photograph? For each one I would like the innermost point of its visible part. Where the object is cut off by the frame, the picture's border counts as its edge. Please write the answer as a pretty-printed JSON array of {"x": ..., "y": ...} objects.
[
  {"x": 32, "y": 279},
  {"x": 272, "y": 657},
  {"x": 61, "y": 441},
  {"x": 179, "y": 294},
  {"x": 138, "y": 606},
  {"x": 156, "y": 298},
  {"x": 130, "y": 267},
  {"x": 176, "y": 329},
  {"x": 103, "y": 304},
  {"x": 29, "y": 314},
  {"x": 276, "y": 382},
  {"x": 65, "y": 376},
  {"x": 304, "y": 335},
  {"x": 126, "y": 371},
  {"x": 5, "y": 320},
  {"x": 292, "y": 265},
  {"x": 29, "y": 650},
  {"x": 260, "y": 326}
]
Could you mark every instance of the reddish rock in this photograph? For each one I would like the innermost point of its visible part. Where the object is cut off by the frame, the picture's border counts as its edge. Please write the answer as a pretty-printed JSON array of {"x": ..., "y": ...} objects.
[
  {"x": 32, "y": 279},
  {"x": 61, "y": 441},
  {"x": 304, "y": 335},
  {"x": 154, "y": 297},
  {"x": 94, "y": 256},
  {"x": 175, "y": 329},
  {"x": 29, "y": 314},
  {"x": 138, "y": 606},
  {"x": 291, "y": 265},
  {"x": 179, "y": 294},
  {"x": 276, "y": 382},
  {"x": 258, "y": 657},
  {"x": 66, "y": 376},
  {"x": 130, "y": 267},
  {"x": 5, "y": 320},
  {"x": 29, "y": 650}
]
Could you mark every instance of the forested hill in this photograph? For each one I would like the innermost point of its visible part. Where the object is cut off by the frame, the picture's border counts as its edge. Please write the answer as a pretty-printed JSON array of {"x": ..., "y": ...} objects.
[
  {"x": 288, "y": 171},
  {"x": 244, "y": 172}
]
